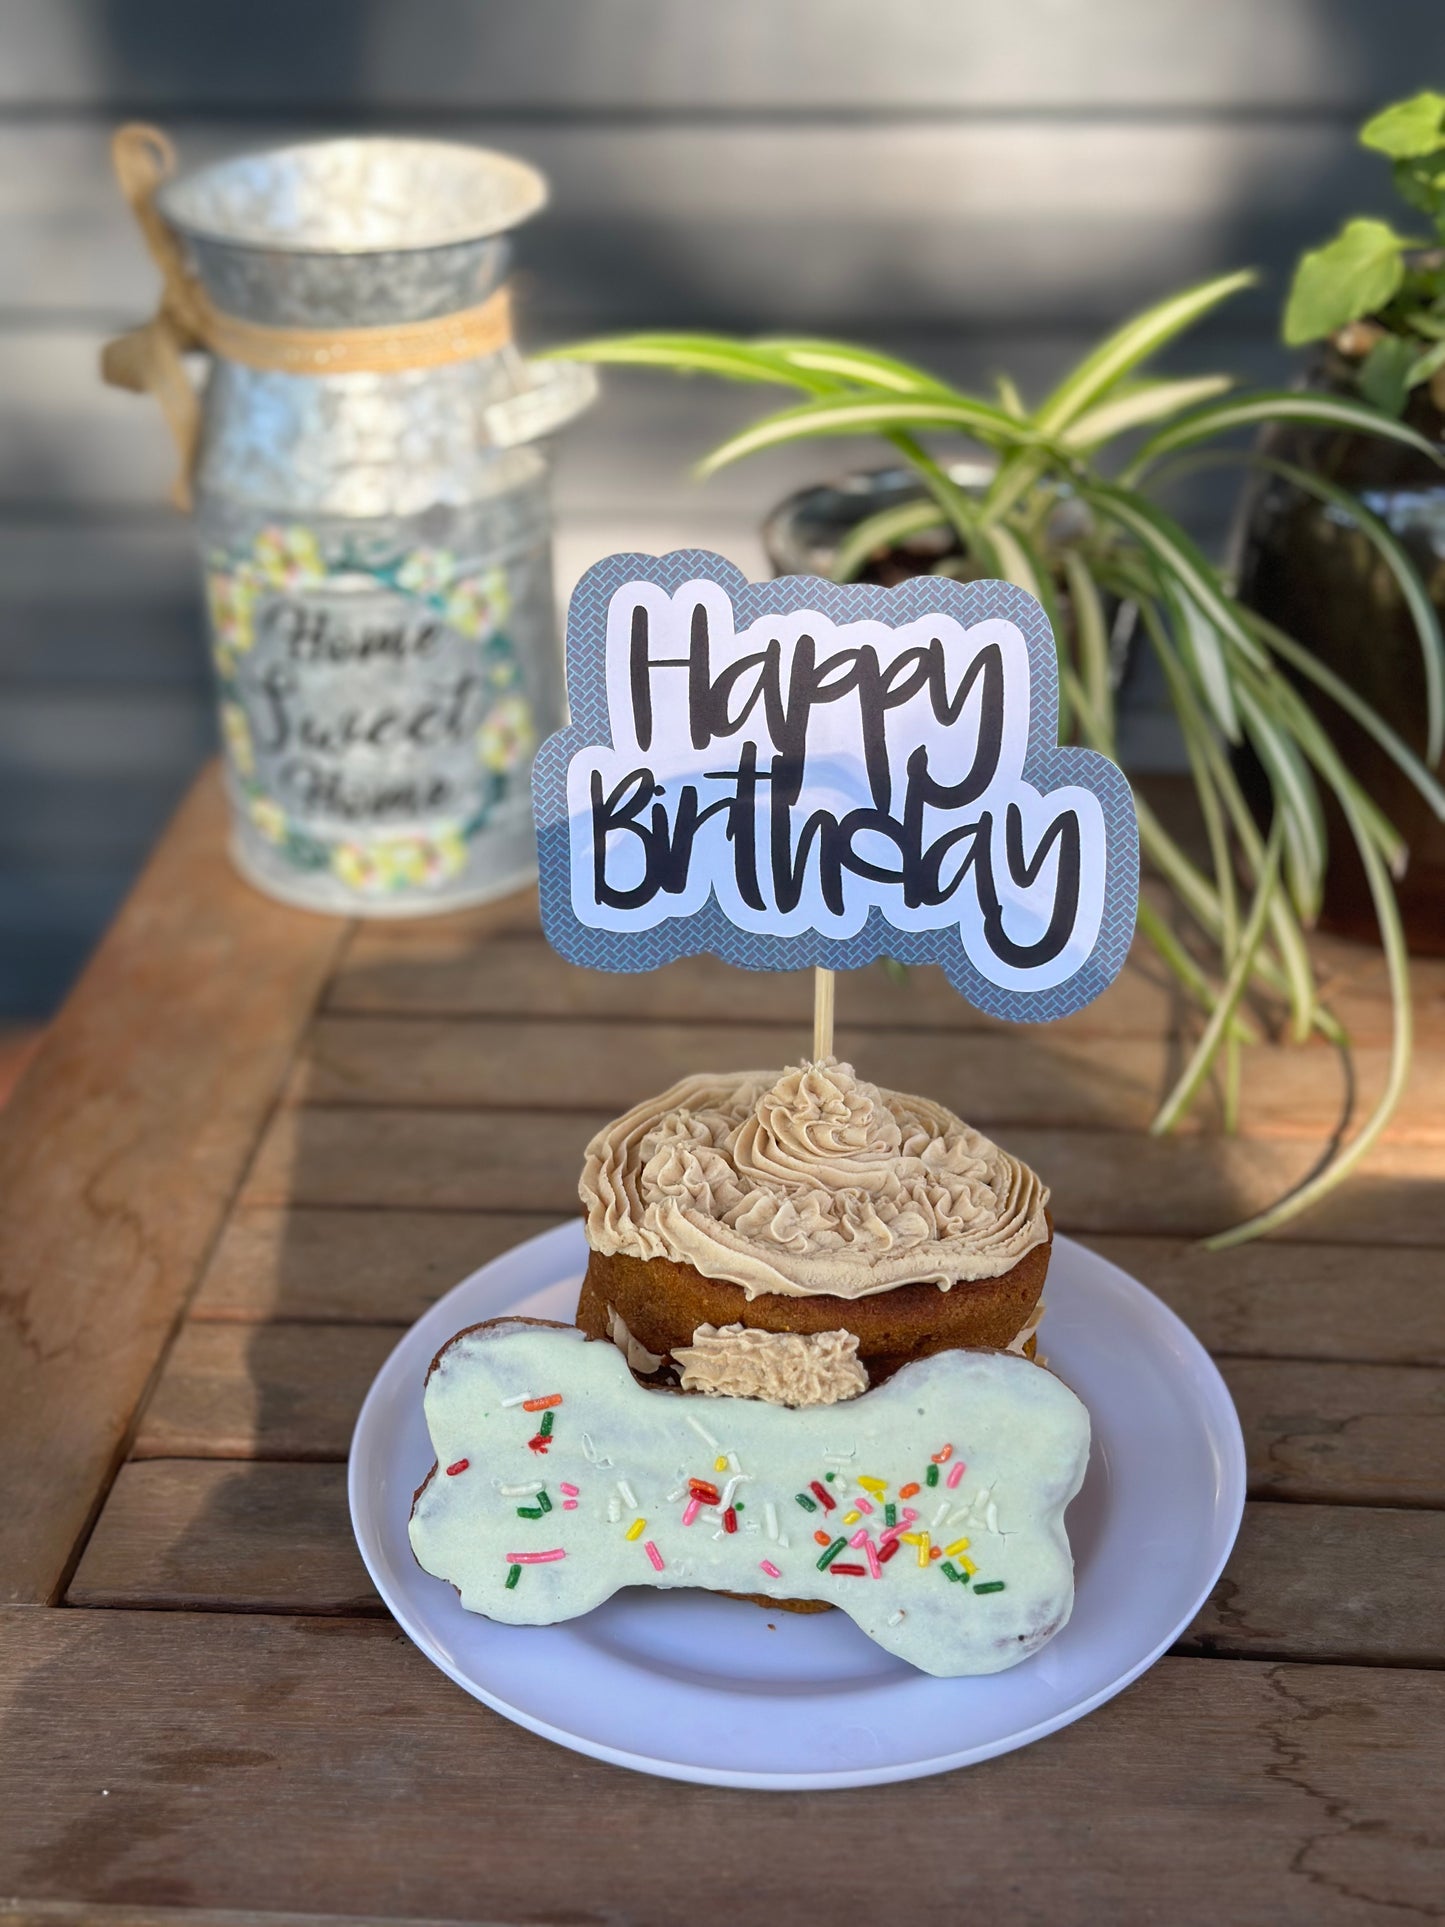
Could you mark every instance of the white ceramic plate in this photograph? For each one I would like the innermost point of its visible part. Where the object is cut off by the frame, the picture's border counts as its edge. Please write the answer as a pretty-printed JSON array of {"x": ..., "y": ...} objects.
[{"x": 698, "y": 1687}]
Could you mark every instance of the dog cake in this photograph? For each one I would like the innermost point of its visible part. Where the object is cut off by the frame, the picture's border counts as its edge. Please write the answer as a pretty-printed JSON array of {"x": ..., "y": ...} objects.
[
  {"x": 930, "y": 1509},
  {"x": 811, "y": 1203},
  {"x": 801, "y": 1368}
]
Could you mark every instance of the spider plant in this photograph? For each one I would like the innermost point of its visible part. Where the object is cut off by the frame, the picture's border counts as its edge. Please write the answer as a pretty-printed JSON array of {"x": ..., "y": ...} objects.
[{"x": 1072, "y": 515}]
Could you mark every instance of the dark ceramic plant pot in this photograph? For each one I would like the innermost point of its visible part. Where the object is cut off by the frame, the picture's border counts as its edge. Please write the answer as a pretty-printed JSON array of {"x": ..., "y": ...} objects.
[
  {"x": 803, "y": 534},
  {"x": 1309, "y": 570}
]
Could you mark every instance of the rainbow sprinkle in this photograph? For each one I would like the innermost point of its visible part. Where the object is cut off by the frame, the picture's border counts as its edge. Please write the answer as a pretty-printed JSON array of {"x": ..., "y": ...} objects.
[
  {"x": 534, "y": 1558},
  {"x": 654, "y": 1555},
  {"x": 636, "y": 1529},
  {"x": 956, "y": 1474},
  {"x": 541, "y": 1404},
  {"x": 514, "y": 1573},
  {"x": 767, "y": 1566}
]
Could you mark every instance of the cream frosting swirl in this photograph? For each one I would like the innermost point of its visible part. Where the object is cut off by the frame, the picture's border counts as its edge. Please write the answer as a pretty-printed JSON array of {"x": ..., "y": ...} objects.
[
  {"x": 806, "y": 1183},
  {"x": 785, "y": 1368}
]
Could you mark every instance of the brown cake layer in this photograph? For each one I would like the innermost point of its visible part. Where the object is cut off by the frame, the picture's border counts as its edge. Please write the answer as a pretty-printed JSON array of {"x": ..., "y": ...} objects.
[{"x": 663, "y": 1303}]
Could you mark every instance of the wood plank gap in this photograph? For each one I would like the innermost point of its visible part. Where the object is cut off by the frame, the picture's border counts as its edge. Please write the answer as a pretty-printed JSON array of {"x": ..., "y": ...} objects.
[
  {"x": 127, "y": 1443},
  {"x": 129, "y": 1139},
  {"x": 1279, "y": 1792},
  {"x": 1343, "y": 1585}
]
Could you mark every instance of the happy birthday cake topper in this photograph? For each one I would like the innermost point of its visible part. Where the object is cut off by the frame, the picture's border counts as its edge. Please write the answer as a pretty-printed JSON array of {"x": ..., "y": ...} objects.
[{"x": 801, "y": 772}]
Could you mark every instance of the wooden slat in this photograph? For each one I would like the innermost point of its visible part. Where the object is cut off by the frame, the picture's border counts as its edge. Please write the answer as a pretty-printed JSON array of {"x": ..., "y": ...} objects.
[
  {"x": 262, "y": 1391},
  {"x": 1036, "y": 1074},
  {"x": 1267, "y": 1300},
  {"x": 1372, "y": 1434},
  {"x": 118, "y": 1158},
  {"x": 502, "y": 1161},
  {"x": 374, "y": 1267},
  {"x": 450, "y": 970},
  {"x": 1361, "y": 1434},
  {"x": 1296, "y": 1300},
  {"x": 248, "y": 1538},
  {"x": 1325, "y": 1583},
  {"x": 445, "y": 968},
  {"x": 88, "y": 1913},
  {"x": 1102, "y": 1181},
  {"x": 1328, "y": 1583},
  {"x": 324, "y": 1764}
]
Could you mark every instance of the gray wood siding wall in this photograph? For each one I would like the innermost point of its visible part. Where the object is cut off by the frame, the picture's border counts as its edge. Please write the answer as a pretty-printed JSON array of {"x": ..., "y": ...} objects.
[{"x": 984, "y": 185}]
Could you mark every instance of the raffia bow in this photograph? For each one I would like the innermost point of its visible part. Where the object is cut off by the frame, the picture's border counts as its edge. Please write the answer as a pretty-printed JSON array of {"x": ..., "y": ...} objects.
[{"x": 149, "y": 359}]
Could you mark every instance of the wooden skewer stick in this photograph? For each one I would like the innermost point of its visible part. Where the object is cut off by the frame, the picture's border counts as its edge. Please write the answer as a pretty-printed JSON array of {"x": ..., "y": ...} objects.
[{"x": 822, "y": 1014}]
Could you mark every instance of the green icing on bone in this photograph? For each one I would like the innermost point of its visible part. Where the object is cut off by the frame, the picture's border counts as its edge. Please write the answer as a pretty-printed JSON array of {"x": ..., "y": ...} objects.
[{"x": 1024, "y": 1435}]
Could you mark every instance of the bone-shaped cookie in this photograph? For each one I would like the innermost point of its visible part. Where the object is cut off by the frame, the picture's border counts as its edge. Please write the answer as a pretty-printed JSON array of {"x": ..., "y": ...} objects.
[{"x": 930, "y": 1509}]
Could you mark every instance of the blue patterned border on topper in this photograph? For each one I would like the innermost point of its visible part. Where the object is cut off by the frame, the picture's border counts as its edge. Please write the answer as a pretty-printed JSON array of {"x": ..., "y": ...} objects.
[{"x": 707, "y": 926}]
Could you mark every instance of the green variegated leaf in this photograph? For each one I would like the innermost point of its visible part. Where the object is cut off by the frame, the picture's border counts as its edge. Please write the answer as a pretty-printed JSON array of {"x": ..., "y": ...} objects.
[
  {"x": 1027, "y": 566},
  {"x": 697, "y": 354},
  {"x": 1273, "y": 405},
  {"x": 1296, "y": 800},
  {"x": 1203, "y": 650},
  {"x": 838, "y": 361},
  {"x": 1367, "y": 717},
  {"x": 1192, "y": 1077},
  {"x": 1392, "y": 938},
  {"x": 851, "y": 416},
  {"x": 1179, "y": 561},
  {"x": 1092, "y": 639},
  {"x": 1009, "y": 397},
  {"x": 1127, "y": 347},
  {"x": 1148, "y": 401}
]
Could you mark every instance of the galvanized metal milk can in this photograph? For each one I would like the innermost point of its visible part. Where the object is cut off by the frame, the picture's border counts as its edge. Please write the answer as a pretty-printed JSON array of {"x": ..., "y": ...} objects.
[{"x": 368, "y": 470}]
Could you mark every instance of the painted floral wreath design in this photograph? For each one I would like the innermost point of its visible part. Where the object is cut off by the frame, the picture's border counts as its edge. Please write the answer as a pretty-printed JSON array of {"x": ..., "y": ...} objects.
[{"x": 475, "y": 605}]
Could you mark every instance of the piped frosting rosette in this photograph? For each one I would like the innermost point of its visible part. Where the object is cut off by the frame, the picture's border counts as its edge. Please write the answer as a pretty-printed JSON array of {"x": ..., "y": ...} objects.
[{"x": 814, "y": 1182}]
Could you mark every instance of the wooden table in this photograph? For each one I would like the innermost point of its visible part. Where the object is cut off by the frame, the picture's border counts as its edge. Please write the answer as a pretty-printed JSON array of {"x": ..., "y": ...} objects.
[{"x": 258, "y": 1143}]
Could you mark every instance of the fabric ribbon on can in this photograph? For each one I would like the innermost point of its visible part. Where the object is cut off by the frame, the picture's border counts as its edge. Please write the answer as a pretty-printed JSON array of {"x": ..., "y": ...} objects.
[{"x": 149, "y": 359}]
